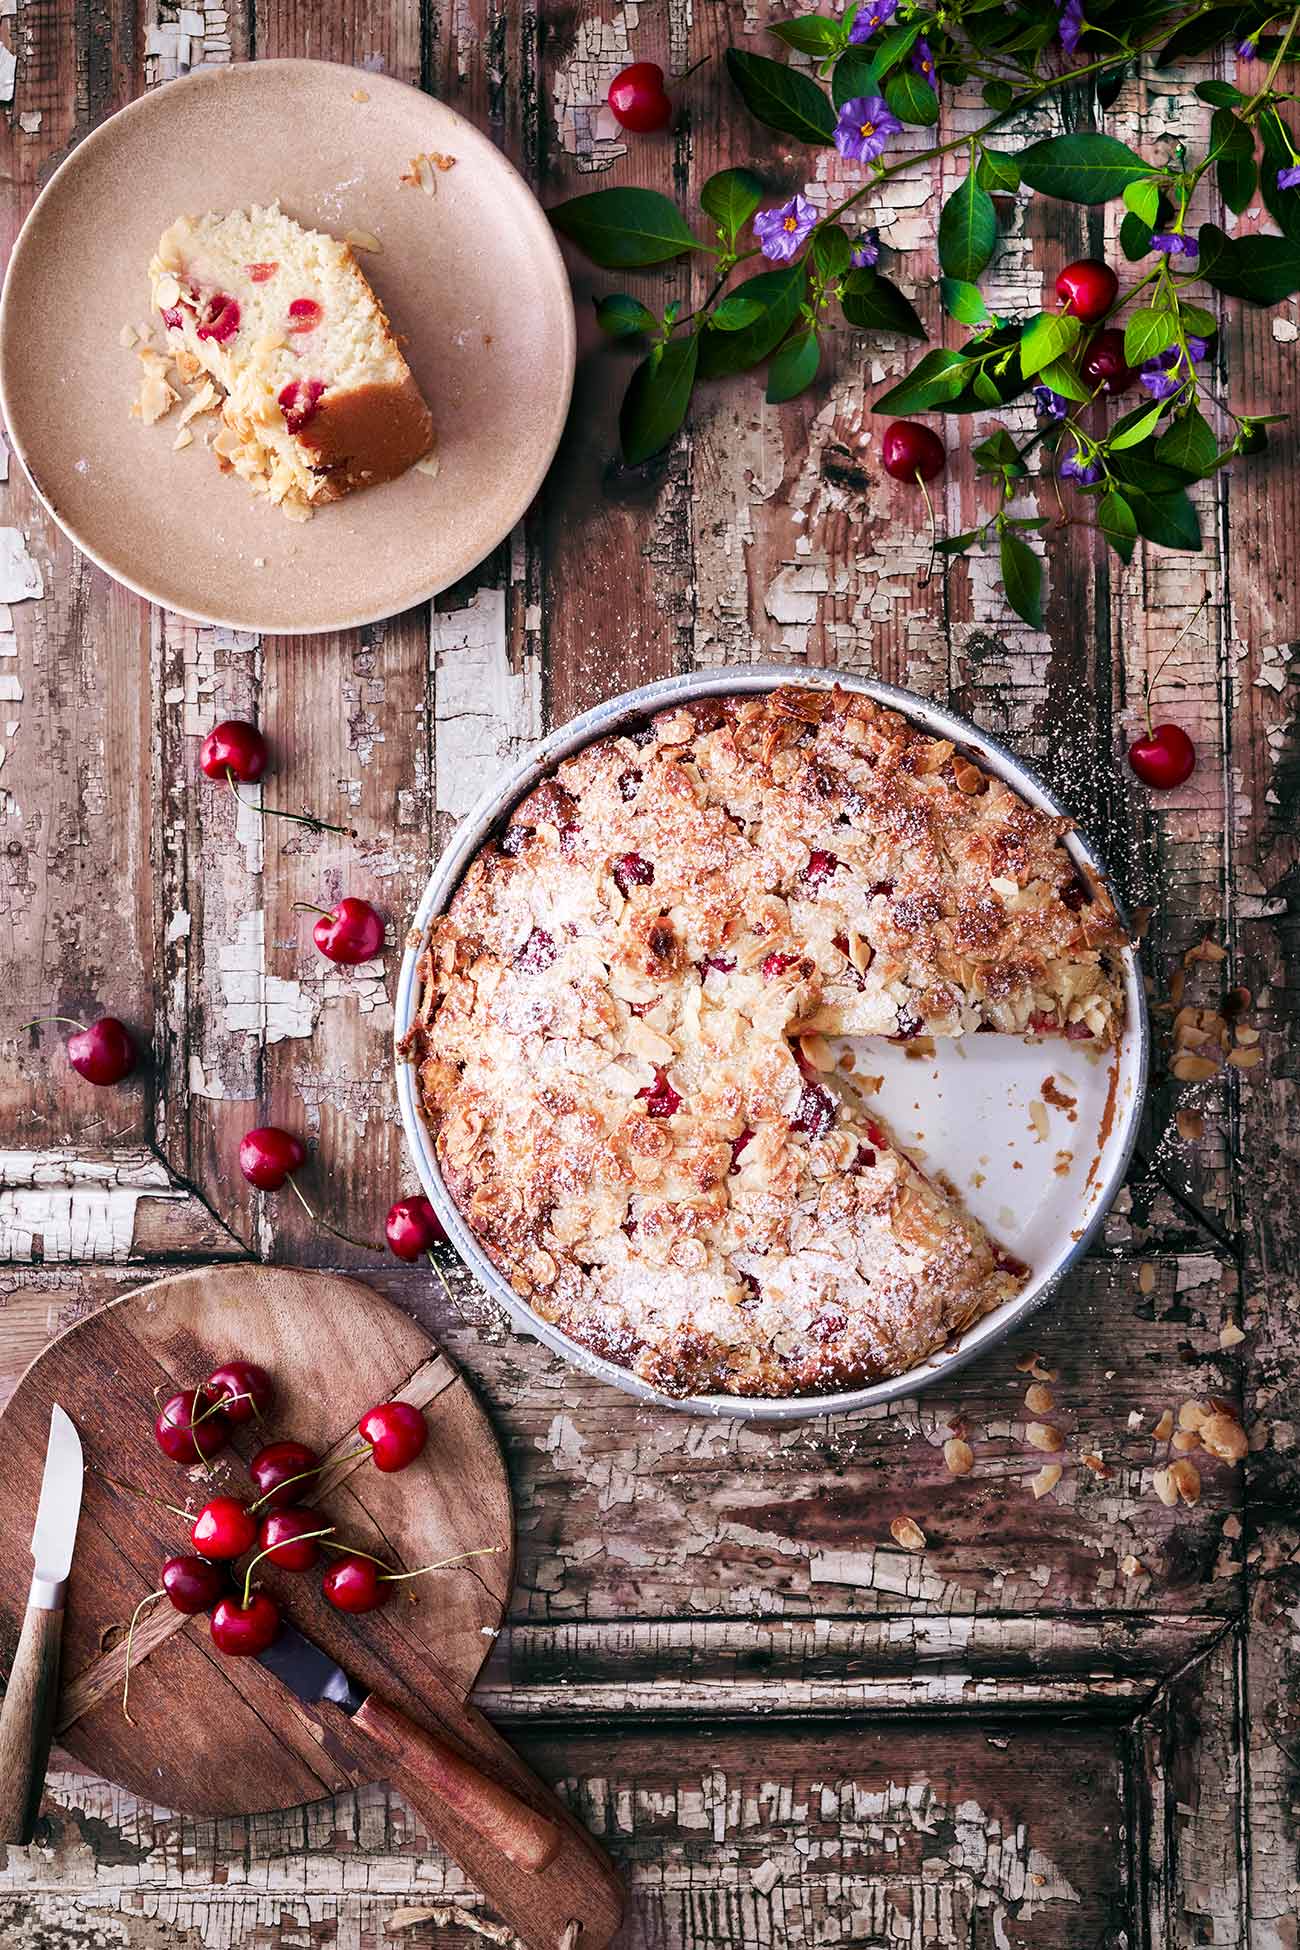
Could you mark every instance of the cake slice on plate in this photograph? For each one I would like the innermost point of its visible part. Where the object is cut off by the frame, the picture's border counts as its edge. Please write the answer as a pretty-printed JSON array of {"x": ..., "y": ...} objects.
[{"x": 318, "y": 398}]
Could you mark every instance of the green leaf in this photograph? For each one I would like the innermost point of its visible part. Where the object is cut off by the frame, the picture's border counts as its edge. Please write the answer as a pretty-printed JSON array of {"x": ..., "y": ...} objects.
[
  {"x": 1148, "y": 333},
  {"x": 968, "y": 231},
  {"x": 1118, "y": 523},
  {"x": 735, "y": 312},
  {"x": 1047, "y": 338},
  {"x": 998, "y": 454},
  {"x": 731, "y": 198},
  {"x": 655, "y": 403},
  {"x": 623, "y": 316},
  {"x": 831, "y": 252},
  {"x": 998, "y": 95},
  {"x": 793, "y": 368},
  {"x": 1063, "y": 379},
  {"x": 810, "y": 34},
  {"x": 1134, "y": 237},
  {"x": 872, "y": 303},
  {"x": 1189, "y": 444},
  {"x": 985, "y": 389},
  {"x": 1022, "y": 578},
  {"x": 856, "y": 73},
  {"x": 782, "y": 98},
  {"x": 779, "y": 295},
  {"x": 1263, "y": 270},
  {"x": 1197, "y": 34},
  {"x": 912, "y": 99},
  {"x": 625, "y": 228},
  {"x": 1169, "y": 520},
  {"x": 998, "y": 171},
  {"x": 1138, "y": 469},
  {"x": 1133, "y": 429},
  {"x": 963, "y": 301},
  {"x": 1143, "y": 199},
  {"x": 937, "y": 378},
  {"x": 1203, "y": 323},
  {"x": 1235, "y": 169},
  {"x": 1220, "y": 94},
  {"x": 1082, "y": 168}
]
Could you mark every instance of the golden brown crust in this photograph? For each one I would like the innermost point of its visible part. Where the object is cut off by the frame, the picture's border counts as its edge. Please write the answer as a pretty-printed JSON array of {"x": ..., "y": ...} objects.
[
  {"x": 367, "y": 434},
  {"x": 622, "y": 1041}
]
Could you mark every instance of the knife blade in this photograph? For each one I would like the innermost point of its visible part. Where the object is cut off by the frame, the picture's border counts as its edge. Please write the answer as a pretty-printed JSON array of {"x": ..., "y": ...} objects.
[
  {"x": 493, "y": 1811},
  {"x": 27, "y": 1715}
]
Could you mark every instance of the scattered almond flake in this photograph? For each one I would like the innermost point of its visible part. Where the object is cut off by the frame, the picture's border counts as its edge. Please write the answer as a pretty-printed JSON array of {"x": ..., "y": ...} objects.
[
  {"x": 1146, "y": 1277},
  {"x": 1191, "y": 1414},
  {"x": 1245, "y": 1059},
  {"x": 1033, "y": 1364},
  {"x": 1232, "y": 1525},
  {"x": 1041, "y": 1435},
  {"x": 1046, "y": 1479},
  {"x": 203, "y": 401},
  {"x": 1163, "y": 1485},
  {"x": 427, "y": 464},
  {"x": 1186, "y": 1479},
  {"x": 360, "y": 95},
  {"x": 1164, "y": 1428},
  {"x": 1097, "y": 1464},
  {"x": 870, "y": 1085},
  {"x": 919, "y": 1048},
  {"x": 817, "y": 1052},
  {"x": 1224, "y": 1437},
  {"x": 362, "y": 240},
  {"x": 1193, "y": 1069},
  {"x": 155, "y": 399},
  {"x": 1135, "y": 1418},
  {"x": 1190, "y": 1125},
  {"x": 907, "y": 1533},
  {"x": 127, "y": 337},
  {"x": 444, "y": 162},
  {"x": 1132, "y": 1567},
  {"x": 183, "y": 439},
  {"x": 1038, "y": 1398},
  {"x": 1185, "y": 1440},
  {"x": 424, "y": 175},
  {"x": 1059, "y": 1099},
  {"x": 1205, "y": 950},
  {"x": 967, "y": 777},
  {"x": 1038, "y": 1120},
  {"x": 1230, "y": 1335},
  {"x": 959, "y": 1456},
  {"x": 1247, "y": 1033}
]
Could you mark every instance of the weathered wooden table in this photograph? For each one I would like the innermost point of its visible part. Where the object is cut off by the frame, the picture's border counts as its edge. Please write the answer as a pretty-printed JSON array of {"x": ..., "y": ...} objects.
[{"x": 1069, "y": 1720}]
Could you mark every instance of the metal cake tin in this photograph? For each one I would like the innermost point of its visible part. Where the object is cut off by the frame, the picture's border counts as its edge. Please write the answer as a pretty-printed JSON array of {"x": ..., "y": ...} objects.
[{"x": 485, "y": 818}]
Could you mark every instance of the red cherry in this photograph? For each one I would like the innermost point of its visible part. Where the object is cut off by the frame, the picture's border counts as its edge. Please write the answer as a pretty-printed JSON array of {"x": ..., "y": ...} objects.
[
  {"x": 1166, "y": 757},
  {"x": 268, "y": 1155},
  {"x": 282, "y": 1536},
  {"x": 1104, "y": 364},
  {"x": 396, "y": 1433},
  {"x": 242, "y": 1631},
  {"x": 661, "y": 1100},
  {"x": 821, "y": 867},
  {"x": 192, "y": 1584},
  {"x": 630, "y": 870},
  {"x": 354, "y": 1585},
  {"x": 350, "y": 932},
  {"x": 908, "y": 449},
  {"x": 815, "y": 1112},
  {"x": 234, "y": 746},
  {"x": 244, "y": 1390},
  {"x": 220, "y": 319},
  {"x": 775, "y": 964},
  {"x": 304, "y": 315},
  {"x": 224, "y": 1528},
  {"x": 259, "y": 273},
  {"x": 185, "y": 1432},
  {"x": 299, "y": 401},
  {"x": 1087, "y": 289},
  {"x": 102, "y": 1052},
  {"x": 638, "y": 100},
  {"x": 413, "y": 1227},
  {"x": 278, "y": 1471}
]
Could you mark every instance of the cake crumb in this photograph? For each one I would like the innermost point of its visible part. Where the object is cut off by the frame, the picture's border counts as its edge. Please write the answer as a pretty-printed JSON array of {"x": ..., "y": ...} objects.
[
  {"x": 1045, "y": 1480},
  {"x": 127, "y": 337},
  {"x": 1132, "y": 1567},
  {"x": 1230, "y": 1335},
  {"x": 363, "y": 240},
  {"x": 1146, "y": 1277},
  {"x": 959, "y": 1456},
  {"x": 1164, "y": 1428},
  {"x": 360, "y": 95},
  {"x": 183, "y": 439},
  {"x": 1041, "y": 1435},
  {"x": 1038, "y": 1398}
]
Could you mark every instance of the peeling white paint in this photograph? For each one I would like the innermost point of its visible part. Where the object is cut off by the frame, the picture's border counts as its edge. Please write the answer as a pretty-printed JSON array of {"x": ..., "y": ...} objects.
[
  {"x": 60, "y": 1207},
  {"x": 20, "y": 577},
  {"x": 485, "y": 707}
]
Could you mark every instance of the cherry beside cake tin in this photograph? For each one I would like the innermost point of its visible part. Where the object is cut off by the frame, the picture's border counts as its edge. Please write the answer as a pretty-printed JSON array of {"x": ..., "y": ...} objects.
[{"x": 978, "y": 1123}]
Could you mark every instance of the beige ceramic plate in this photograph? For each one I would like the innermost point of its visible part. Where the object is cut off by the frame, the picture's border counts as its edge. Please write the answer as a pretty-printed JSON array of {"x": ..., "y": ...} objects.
[{"x": 471, "y": 277}]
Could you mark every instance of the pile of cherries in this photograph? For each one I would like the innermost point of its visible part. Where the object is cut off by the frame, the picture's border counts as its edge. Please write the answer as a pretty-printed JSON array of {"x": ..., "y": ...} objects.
[{"x": 196, "y": 1424}]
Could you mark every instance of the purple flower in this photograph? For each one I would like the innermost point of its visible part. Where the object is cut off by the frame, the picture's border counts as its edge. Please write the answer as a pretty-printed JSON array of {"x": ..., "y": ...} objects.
[
  {"x": 1169, "y": 372},
  {"x": 1075, "y": 468},
  {"x": 864, "y": 127},
  {"x": 923, "y": 61},
  {"x": 1072, "y": 24},
  {"x": 865, "y": 250},
  {"x": 1173, "y": 243},
  {"x": 1050, "y": 405},
  {"x": 782, "y": 232},
  {"x": 1247, "y": 49},
  {"x": 1288, "y": 178},
  {"x": 873, "y": 14}
]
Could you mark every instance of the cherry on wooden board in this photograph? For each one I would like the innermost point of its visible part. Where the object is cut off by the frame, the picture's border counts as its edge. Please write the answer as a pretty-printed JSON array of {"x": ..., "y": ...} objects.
[
  {"x": 354, "y": 1585},
  {"x": 396, "y": 1432},
  {"x": 192, "y": 1584},
  {"x": 190, "y": 1428},
  {"x": 243, "y": 1390},
  {"x": 278, "y": 1469},
  {"x": 224, "y": 1528},
  {"x": 234, "y": 746},
  {"x": 242, "y": 1631}
]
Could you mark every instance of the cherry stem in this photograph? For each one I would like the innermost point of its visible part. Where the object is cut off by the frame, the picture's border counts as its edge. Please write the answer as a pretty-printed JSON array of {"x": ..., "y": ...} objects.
[
  {"x": 130, "y": 1637},
  {"x": 309, "y": 820},
  {"x": 310, "y": 907},
  {"x": 363, "y": 1245},
  {"x": 396, "y": 1577},
  {"x": 442, "y": 1279},
  {"x": 686, "y": 72},
  {"x": 934, "y": 530},
  {"x": 303, "y": 1474},
  {"x": 303, "y": 1537},
  {"x": 36, "y": 1022},
  {"x": 1153, "y": 681},
  {"x": 131, "y": 1490}
]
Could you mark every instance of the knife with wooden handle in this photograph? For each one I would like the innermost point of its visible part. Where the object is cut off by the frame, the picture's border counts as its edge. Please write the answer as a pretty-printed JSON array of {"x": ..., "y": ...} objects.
[{"x": 27, "y": 1715}]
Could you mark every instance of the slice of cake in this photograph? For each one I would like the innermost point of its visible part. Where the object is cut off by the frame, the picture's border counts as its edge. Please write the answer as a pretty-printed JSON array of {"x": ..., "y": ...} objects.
[{"x": 319, "y": 399}]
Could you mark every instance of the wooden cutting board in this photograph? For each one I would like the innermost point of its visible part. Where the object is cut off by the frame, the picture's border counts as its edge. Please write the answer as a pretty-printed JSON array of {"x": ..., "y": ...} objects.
[{"x": 215, "y": 1735}]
